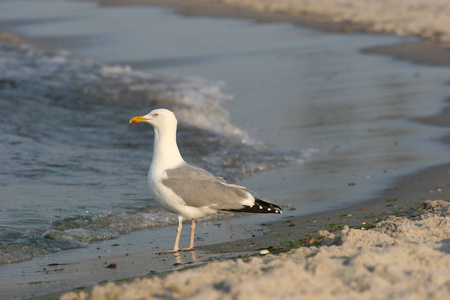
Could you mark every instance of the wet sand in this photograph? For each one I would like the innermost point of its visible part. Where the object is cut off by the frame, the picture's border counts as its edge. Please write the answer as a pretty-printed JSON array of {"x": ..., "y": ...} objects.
[
  {"x": 432, "y": 53},
  {"x": 77, "y": 269},
  {"x": 402, "y": 199},
  {"x": 400, "y": 258}
]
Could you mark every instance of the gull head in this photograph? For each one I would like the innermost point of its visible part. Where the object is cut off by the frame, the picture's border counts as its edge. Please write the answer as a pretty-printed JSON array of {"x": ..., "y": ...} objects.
[{"x": 158, "y": 118}]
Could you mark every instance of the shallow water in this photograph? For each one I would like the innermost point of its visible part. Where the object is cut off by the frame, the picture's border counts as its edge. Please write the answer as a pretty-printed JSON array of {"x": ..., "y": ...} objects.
[
  {"x": 250, "y": 97},
  {"x": 68, "y": 175}
]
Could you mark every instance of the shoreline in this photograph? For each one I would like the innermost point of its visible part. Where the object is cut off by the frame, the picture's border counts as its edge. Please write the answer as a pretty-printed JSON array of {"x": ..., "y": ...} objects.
[
  {"x": 402, "y": 199},
  {"x": 414, "y": 187},
  {"x": 426, "y": 51},
  {"x": 400, "y": 258}
]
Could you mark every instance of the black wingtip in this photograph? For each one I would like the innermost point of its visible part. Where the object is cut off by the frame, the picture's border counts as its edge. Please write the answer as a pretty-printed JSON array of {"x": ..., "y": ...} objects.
[{"x": 260, "y": 207}]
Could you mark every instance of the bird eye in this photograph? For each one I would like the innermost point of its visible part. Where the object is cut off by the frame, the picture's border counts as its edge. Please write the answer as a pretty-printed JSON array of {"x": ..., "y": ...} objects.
[{"x": 155, "y": 114}]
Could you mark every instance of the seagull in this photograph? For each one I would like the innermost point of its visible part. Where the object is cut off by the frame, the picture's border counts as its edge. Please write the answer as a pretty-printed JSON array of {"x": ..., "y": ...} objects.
[{"x": 187, "y": 191}]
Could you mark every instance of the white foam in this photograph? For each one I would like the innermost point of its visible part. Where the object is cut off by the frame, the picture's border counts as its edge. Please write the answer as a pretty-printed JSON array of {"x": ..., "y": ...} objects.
[{"x": 197, "y": 101}]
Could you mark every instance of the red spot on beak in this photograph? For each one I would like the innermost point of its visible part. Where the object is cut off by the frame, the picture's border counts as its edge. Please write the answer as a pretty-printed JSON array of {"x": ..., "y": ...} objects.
[{"x": 134, "y": 121}]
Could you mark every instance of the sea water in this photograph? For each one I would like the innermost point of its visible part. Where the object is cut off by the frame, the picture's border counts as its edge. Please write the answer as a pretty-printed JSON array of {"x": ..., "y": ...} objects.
[
  {"x": 251, "y": 100},
  {"x": 73, "y": 168}
]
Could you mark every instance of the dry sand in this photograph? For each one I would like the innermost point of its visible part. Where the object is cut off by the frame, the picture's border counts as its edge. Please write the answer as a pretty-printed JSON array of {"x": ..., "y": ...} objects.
[
  {"x": 404, "y": 17},
  {"x": 400, "y": 258}
]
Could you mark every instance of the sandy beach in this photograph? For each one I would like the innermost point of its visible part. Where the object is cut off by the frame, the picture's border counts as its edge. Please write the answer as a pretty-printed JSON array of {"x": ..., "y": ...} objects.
[
  {"x": 400, "y": 258},
  {"x": 398, "y": 245},
  {"x": 393, "y": 246}
]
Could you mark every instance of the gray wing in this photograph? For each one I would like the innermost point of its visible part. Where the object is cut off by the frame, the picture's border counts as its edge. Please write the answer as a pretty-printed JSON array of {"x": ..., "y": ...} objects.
[{"x": 199, "y": 188}]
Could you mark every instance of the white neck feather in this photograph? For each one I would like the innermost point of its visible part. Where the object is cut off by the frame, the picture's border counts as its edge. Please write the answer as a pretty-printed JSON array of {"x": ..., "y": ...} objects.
[{"x": 165, "y": 150}]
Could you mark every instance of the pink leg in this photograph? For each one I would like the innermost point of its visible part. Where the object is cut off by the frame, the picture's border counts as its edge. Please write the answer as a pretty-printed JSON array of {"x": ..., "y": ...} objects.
[
  {"x": 191, "y": 245},
  {"x": 177, "y": 239}
]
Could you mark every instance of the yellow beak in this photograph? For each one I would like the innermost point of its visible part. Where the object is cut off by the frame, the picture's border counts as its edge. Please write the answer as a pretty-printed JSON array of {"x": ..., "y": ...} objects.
[{"x": 138, "y": 119}]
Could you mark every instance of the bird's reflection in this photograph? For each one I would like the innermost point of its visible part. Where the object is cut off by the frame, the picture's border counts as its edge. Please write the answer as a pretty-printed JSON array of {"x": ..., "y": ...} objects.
[{"x": 179, "y": 255}]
